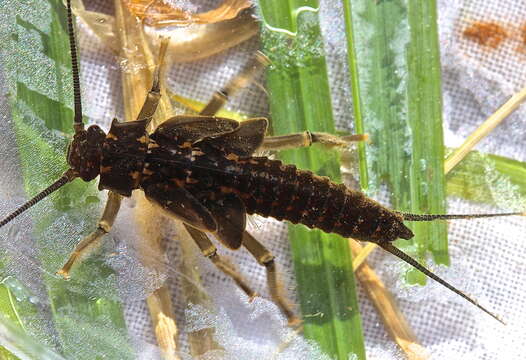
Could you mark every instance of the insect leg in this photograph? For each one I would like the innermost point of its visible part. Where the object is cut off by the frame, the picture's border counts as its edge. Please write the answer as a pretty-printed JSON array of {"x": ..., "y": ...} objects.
[
  {"x": 306, "y": 139},
  {"x": 266, "y": 259},
  {"x": 210, "y": 251},
  {"x": 92, "y": 240},
  {"x": 154, "y": 95},
  {"x": 252, "y": 69}
]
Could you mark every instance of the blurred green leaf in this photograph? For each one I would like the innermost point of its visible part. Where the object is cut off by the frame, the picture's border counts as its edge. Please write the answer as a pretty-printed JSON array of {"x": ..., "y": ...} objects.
[
  {"x": 489, "y": 179},
  {"x": 300, "y": 100},
  {"x": 394, "y": 59},
  {"x": 86, "y": 311}
]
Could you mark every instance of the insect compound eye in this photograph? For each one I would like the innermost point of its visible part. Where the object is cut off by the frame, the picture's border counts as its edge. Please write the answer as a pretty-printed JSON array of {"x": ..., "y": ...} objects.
[{"x": 74, "y": 150}]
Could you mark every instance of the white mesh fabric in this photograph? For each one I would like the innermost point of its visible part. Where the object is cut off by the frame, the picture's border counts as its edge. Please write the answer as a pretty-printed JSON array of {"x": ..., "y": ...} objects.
[{"x": 486, "y": 254}]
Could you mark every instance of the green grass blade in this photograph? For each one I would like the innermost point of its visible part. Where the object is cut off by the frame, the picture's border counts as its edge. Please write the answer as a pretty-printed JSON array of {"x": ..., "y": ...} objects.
[
  {"x": 356, "y": 95},
  {"x": 489, "y": 179},
  {"x": 395, "y": 71},
  {"x": 300, "y": 100},
  {"x": 8, "y": 312},
  {"x": 86, "y": 311},
  {"x": 18, "y": 342}
]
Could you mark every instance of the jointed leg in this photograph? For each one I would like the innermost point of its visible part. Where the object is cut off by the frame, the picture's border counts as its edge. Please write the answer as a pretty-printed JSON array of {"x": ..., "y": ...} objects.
[
  {"x": 254, "y": 67},
  {"x": 114, "y": 200},
  {"x": 306, "y": 139},
  {"x": 89, "y": 242},
  {"x": 265, "y": 258},
  {"x": 154, "y": 95},
  {"x": 209, "y": 250}
]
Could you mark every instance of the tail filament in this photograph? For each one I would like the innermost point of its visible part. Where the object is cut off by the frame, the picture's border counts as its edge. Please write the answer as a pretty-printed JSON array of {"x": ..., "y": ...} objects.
[
  {"x": 429, "y": 217},
  {"x": 389, "y": 247}
]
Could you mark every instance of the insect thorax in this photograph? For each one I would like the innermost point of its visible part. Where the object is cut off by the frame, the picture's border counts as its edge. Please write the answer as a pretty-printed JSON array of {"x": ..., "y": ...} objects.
[{"x": 123, "y": 156}]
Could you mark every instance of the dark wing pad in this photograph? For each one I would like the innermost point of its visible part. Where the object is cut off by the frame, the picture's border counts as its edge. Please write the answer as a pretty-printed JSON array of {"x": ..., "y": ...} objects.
[
  {"x": 243, "y": 141},
  {"x": 229, "y": 212},
  {"x": 179, "y": 203},
  {"x": 189, "y": 129}
]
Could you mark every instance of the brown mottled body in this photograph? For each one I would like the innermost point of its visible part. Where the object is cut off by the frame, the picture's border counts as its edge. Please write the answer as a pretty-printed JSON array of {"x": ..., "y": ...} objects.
[
  {"x": 178, "y": 167},
  {"x": 123, "y": 155},
  {"x": 200, "y": 169},
  {"x": 270, "y": 188}
]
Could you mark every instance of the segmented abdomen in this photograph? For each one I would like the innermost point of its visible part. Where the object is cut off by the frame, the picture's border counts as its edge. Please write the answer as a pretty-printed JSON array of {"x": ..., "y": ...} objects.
[
  {"x": 284, "y": 192},
  {"x": 271, "y": 188}
]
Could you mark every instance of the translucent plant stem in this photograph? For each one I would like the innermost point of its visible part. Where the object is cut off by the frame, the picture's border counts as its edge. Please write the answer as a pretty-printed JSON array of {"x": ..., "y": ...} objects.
[
  {"x": 393, "y": 319},
  {"x": 137, "y": 79},
  {"x": 194, "y": 106},
  {"x": 141, "y": 62},
  {"x": 187, "y": 44},
  {"x": 395, "y": 73},
  {"x": 86, "y": 316},
  {"x": 203, "y": 340},
  {"x": 488, "y": 179},
  {"x": 300, "y": 100},
  {"x": 484, "y": 129},
  {"x": 360, "y": 256},
  {"x": 470, "y": 179}
]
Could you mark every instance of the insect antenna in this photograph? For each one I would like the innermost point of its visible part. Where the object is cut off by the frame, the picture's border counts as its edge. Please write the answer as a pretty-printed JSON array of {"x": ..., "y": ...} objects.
[
  {"x": 63, "y": 180},
  {"x": 78, "y": 124},
  {"x": 430, "y": 217},
  {"x": 389, "y": 247}
]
